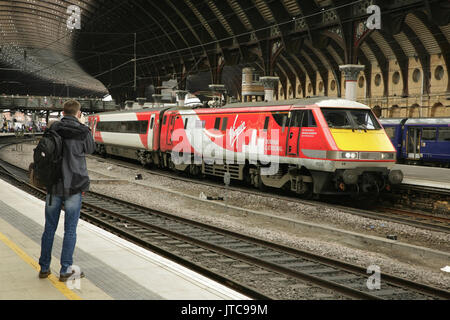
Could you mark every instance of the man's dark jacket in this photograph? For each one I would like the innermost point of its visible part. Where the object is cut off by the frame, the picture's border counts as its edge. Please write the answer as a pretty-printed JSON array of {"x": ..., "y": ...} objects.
[{"x": 77, "y": 142}]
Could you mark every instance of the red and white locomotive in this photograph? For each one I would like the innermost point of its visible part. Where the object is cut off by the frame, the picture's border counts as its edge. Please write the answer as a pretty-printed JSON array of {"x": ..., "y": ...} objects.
[{"x": 309, "y": 146}]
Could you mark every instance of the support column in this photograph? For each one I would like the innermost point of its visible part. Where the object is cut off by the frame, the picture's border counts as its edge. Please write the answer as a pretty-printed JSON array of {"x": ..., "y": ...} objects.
[
  {"x": 181, "y": 97},
  {"x": 141, "y": 101},
  {"x": 129, "y": 104},
  {"x": 269, "y": 85},
  {"x": 351, "y": 72},
  {"x": 157, "y": 98}
]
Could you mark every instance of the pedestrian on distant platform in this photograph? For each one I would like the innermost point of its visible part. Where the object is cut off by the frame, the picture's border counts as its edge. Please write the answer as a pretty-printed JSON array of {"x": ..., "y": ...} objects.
[{"x": 77, "y": 141}]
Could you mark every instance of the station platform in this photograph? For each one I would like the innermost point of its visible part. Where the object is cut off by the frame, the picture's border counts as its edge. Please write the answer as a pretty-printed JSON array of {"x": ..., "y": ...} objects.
[
  {"x": 425, "y": 176},
  {"x": 115, "y": 268},
  {"x": 12, "y": 134}
]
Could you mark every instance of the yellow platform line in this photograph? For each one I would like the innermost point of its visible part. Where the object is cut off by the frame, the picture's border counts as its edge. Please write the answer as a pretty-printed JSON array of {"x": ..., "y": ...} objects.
[{"x": 61, "y": 286}]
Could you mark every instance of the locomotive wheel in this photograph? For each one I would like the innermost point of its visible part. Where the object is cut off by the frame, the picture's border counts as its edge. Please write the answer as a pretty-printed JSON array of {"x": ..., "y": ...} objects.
[
  {"x": 171, "y": 165},
  {"x": 308, "y": 193},
  {"x": 259, "y": 183}
]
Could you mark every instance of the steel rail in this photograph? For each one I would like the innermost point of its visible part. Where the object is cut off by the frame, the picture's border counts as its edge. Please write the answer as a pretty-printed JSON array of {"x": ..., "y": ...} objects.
[
  {"x": 392, "y": 216},
  {"x": 423, "y": 290}
]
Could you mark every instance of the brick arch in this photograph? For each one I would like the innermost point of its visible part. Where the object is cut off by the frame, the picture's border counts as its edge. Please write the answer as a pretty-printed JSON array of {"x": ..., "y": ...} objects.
[
  {"x": 377, "y": 110},
  {"x": 395, "y": 111},
  {"x": 439, "y": 110},
  {"x": 413, "y": 111}
]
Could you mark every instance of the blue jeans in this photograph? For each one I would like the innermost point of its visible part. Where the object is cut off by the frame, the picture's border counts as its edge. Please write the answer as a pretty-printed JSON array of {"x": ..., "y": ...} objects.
[{"x": 72, "y": 207}]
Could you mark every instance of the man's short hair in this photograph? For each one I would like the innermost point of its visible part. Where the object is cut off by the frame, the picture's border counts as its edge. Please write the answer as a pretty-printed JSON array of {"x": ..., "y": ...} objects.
[{"x": 71, "y": 108}]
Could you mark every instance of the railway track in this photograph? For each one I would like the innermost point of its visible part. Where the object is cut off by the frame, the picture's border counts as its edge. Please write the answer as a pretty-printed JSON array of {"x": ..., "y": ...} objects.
[
  {"x": 404, "y": 216},
  {"x": 257, "y": 268}
]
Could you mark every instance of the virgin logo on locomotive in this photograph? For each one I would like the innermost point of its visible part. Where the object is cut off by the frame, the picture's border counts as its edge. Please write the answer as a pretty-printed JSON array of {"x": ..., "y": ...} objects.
[{"x": 235, "y": 133}]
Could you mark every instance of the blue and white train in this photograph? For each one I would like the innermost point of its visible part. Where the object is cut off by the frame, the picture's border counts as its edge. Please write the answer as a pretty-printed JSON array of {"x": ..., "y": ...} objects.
[{"x": 423, "y": 141}]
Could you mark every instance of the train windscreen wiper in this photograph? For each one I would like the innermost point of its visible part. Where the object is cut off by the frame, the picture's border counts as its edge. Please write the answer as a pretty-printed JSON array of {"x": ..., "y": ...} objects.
[{"x": 364, "y": 127}]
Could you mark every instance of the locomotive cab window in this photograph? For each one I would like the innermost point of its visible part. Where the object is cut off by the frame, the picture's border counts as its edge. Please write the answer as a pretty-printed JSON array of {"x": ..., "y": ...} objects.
[
  {"x": 281, "y": 119},
  {"x": 350, "y": 119},
  {"x": 297, "y": 118},
  {"x": 217, "y": 123},
  {"x": 308, "y": 120},
  {"x": 429, "y": 134}
]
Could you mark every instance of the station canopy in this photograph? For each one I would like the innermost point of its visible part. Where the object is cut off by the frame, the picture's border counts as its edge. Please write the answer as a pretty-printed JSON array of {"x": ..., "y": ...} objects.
[{"x": 124, "y": 48}]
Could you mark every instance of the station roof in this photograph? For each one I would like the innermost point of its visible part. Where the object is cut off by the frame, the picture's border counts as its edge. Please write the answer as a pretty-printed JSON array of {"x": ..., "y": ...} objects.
[{"x": 120, "y": 42}]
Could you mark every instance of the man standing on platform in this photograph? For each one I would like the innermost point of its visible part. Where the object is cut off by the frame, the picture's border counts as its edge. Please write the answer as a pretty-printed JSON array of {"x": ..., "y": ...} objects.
[{"x": 77, "y": 141}]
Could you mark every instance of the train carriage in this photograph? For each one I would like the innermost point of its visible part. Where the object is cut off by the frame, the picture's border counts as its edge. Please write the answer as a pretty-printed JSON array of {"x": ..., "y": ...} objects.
[
  {"x": 131, "y": 134},
  {"x": 420, "y": 140}
]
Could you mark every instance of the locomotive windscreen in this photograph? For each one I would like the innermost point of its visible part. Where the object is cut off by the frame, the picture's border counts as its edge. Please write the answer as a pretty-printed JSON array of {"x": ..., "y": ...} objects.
[{"x": 350, "y": 119}]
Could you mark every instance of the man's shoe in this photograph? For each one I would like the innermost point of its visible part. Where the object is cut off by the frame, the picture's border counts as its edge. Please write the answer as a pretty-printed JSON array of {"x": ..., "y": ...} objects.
[
  {"x": 44, "y": 275},
  {"x": 66, "y": 276}
]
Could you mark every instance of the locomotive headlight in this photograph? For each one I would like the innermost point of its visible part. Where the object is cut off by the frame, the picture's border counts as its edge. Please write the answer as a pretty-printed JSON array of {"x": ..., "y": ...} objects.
[
  {"x": 349, "y": 155},
  {"x": 387, "y": 156}
]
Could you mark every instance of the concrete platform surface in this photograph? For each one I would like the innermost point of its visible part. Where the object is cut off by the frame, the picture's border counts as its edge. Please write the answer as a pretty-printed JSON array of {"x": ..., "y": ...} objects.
[
  {"x": 425, "y": 176},
  {"x": 114, "y": 267}
]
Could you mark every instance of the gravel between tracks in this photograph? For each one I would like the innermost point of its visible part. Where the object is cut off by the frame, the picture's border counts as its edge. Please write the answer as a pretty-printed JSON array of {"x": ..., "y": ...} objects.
[{"x": 220, "y": 217}]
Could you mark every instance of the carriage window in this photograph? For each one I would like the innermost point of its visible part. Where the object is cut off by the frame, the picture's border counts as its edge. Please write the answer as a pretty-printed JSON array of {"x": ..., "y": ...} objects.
[
  {"x": 390, "y": 131},
  {"x": 217, "y": 123},
  {"x": 131, "y": 127},
  {"x": 266, "y": 123},
  {"x": 144, "y": 126},
  {"x": 444, "y": 134},
  {"x": 152, "y": 123},
  {"x": 164, "y": 120},
  {"x": 224, "y": 124},
  {"x": 136, "y": 127},
  {"x": 186, "y": 123},
  {"x": 429, "y": 134}
]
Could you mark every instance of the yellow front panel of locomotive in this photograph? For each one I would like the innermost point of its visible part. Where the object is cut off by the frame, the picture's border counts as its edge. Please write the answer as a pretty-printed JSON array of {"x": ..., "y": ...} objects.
[{"x": 360, "y": 140}]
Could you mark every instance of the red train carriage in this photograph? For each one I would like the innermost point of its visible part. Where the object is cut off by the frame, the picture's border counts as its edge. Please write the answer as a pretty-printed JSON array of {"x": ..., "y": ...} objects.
[
  {"x": 131, "y": 134},
  {"x": 308, "y": 146}
]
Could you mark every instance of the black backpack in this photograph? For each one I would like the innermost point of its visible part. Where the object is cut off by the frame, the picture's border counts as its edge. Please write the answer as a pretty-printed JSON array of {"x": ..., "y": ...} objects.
[{"x": 48, "y": 155}]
